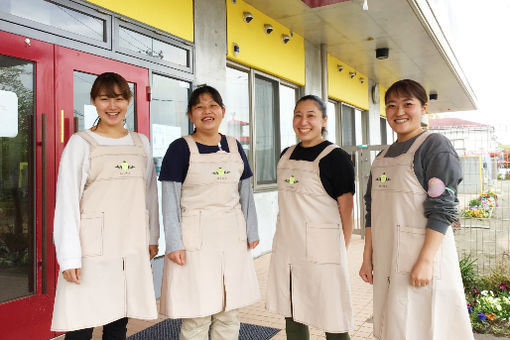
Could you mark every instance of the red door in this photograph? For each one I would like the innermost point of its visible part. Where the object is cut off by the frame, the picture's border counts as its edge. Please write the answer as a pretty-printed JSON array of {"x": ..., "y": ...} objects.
[
  {"x": 49, "y": 86},
  {"x": 74, "y": 74},
  {"x": 27, "y": 182}
]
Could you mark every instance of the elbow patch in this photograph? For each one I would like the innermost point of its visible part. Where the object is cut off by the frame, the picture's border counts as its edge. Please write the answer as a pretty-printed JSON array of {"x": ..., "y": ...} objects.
[{"x": 437, "y": 187}]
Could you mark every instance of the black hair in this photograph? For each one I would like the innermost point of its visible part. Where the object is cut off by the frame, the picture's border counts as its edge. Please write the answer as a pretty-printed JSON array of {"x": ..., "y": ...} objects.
[
  {"x": 320, "y": 104},
  {"x": 407, "y": 88},
  {"x": 194, "y": 98}
]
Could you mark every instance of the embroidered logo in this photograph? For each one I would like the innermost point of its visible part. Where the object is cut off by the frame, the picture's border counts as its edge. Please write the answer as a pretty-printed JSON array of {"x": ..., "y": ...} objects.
[
  {"x": 383, "y": 178},
  {"x": 124, "y": 166},
  {"x": 292, "y": 180},
  {"x": 220, "y": 172}
]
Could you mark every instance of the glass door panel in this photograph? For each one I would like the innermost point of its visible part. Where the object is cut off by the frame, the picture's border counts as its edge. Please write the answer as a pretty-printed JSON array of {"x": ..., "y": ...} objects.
[
  {"x": 27, "y": 259},
  {"x": 16, "y": 178},
  {"x": 85, "y": 113}
]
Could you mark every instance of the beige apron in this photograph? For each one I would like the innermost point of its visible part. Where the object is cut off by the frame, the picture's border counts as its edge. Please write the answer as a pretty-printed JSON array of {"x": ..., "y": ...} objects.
[
  {"x": 403, "y": 312},
  {"x": 308, "y": 275},
  {"x": 116, "y": 276},
  {"x": 219, "y": 274}
]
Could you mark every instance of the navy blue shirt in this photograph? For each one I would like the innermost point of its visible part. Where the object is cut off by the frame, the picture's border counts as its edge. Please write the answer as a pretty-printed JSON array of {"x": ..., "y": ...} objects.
[{"x": 176, "y": 161}]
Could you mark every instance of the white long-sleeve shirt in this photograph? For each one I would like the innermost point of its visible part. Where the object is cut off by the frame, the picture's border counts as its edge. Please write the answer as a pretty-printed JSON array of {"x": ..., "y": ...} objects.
[{"x": 72, "y": 176}]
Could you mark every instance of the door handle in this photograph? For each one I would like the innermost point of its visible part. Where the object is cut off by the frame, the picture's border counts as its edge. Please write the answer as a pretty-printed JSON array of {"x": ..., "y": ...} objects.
[{"x": 44, "y": 239}]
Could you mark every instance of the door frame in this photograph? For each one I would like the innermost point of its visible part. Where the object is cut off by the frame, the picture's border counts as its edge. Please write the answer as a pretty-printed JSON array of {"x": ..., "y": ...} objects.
[{"x": 29, "y": 317}]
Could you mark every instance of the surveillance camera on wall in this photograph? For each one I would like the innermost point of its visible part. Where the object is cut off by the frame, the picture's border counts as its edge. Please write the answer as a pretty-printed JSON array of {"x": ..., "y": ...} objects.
[
  {"x": 268, "y": 28},
  {"x": 285, "y": 38},
  {"x": 247, "y": 17}
]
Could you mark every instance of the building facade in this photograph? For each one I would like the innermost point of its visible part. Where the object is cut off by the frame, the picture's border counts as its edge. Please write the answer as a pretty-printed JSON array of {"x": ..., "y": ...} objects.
[{"x": 262, "y": 55}]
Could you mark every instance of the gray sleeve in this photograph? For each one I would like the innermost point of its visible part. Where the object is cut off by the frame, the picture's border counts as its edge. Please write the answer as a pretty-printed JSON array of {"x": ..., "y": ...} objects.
[
  {"x": 249, "y": 211},
  {"x": 439, "y": 160},
  {"x": 368, "y": 202},
  {"x": 171, "y": 206}
]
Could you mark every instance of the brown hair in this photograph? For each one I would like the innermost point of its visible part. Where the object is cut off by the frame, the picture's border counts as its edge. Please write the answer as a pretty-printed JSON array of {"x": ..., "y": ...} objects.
[
  {"x": 407, "y": 88},
  {"x": 106, "y": 83}
]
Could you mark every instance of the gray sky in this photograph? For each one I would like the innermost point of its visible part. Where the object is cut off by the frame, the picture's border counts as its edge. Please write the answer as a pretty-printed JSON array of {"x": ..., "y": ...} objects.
[{"x": 482, "y": 47}]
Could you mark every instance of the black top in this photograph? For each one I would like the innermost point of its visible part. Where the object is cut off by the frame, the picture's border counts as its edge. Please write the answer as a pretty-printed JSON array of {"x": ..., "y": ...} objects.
[
  {"x": 336, "y": 169},
  {"x": 176, "y": 161},
  {"x": 436, "y": 157}
]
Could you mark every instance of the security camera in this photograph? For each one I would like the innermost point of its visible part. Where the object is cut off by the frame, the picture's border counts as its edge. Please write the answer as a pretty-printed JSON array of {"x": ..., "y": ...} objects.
[
  {"x": 285, "y": 38},
  {"x": 268, "y": 28},
  {"x": 247, "y": 17}
]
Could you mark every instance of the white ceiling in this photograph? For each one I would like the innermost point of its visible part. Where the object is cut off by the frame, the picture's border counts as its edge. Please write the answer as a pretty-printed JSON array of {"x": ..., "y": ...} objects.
[{"x": 345, "y": 28}]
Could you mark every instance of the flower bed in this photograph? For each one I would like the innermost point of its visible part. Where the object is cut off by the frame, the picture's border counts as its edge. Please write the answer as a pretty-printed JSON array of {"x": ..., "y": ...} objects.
[
  {"x": 488, "y": 297},
  {"x": 482, "y": 206}
]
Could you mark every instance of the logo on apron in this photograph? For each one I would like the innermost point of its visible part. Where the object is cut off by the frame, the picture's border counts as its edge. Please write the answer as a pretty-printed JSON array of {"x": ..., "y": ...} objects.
[
  {"x": 220, "y": 173},
  {"x": 124, "y": 166},
  {"x": 383, "y": 179},
  {"x": 292, "y": 180}
]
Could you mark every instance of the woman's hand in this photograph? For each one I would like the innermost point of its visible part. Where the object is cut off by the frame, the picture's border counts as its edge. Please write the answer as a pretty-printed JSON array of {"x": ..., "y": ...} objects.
[
  {"x": 421, "y": 274},
  {"x": 365, "y": 272},
  {"x": 253, "y": 244},
  {"x": 72, "y": 275},
  {"x": 178, "y": 256},
  {"x": 153, "y": 250}
]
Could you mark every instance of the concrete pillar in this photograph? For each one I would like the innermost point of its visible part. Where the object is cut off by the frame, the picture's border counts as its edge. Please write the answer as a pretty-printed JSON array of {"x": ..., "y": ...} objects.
[
  {"x": 211, "y": 43},
  {"x": 312, "y": 69}
]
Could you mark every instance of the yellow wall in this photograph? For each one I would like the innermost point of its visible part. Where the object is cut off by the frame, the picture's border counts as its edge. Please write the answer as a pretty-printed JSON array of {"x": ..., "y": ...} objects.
[
  {"x": 382, "y": 104},
  {"x": 344, "y": 88},
  {"x": 172, "y": 16},
  {"x": 262, "y": 51}
]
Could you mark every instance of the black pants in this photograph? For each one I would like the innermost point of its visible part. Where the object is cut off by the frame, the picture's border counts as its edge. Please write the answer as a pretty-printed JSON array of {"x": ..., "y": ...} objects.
[
  {"x": 298, "y": 331},
  {"x": 113, "y": 331}
]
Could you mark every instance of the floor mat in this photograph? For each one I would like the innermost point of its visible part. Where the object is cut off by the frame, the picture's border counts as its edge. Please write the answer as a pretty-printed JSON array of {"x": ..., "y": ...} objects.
[{"x": 169, "y": 330}]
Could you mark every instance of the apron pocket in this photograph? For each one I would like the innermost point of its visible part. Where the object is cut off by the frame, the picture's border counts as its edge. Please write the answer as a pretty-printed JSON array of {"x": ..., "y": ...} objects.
[
  {"x": 410, "y": 242},
  {"x": 241, "y": 226},
  {"x": 91, "y": 234},
  {"x": 323, "y": 243},
  {"x": 191, "y": 232}
]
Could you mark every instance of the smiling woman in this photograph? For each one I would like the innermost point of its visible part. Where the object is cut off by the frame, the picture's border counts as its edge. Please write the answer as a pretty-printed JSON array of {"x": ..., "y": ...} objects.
[{"x": 105, "y": 239}]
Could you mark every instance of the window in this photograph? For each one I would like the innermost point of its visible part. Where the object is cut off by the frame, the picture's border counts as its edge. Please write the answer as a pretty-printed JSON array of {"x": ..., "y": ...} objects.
[
  {"x": 266, "y": 141},
  {"x": 236, "y": 122},
  {"x": 331, "y": 123},
  {"x": 348, "y": 125},
  {"x": 169, "y": 119},
  {"x": 287, "y": 104},
  {"x": 141, "y": 43},
  {"x": 259, "y": 113},
  {"x": 83, "y": 23},
  {"x": 384, "y": 134}
]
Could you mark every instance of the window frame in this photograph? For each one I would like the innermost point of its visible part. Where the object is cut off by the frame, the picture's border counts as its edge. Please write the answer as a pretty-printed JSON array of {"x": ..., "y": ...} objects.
[
  {"x": 166, "y": 38},
  {"x": 252, "y": 74},
  {"x": 73, "y": 6}
]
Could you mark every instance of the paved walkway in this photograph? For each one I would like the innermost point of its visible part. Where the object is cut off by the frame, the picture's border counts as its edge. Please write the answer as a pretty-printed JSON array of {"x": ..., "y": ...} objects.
[{"x": 256, "y": 314}]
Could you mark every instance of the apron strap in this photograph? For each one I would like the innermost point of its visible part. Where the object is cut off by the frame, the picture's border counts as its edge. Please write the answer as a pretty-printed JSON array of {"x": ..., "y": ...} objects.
[
  {"x": 232, "y": 144},
  {"x": 383, "y": 153},
  {"x": 192, "y": 145},
  {"x": 418, "y": 142},
  {"x": 88, "y": 138},
  {"x": 325, "y": 152},
  {"x": 288, "y": 153},
  {"x": 136, "y": 139}
]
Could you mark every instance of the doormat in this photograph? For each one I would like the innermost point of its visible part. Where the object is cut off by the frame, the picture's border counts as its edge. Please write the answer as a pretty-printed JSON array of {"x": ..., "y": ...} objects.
[{"x": 169, "y": 330}]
